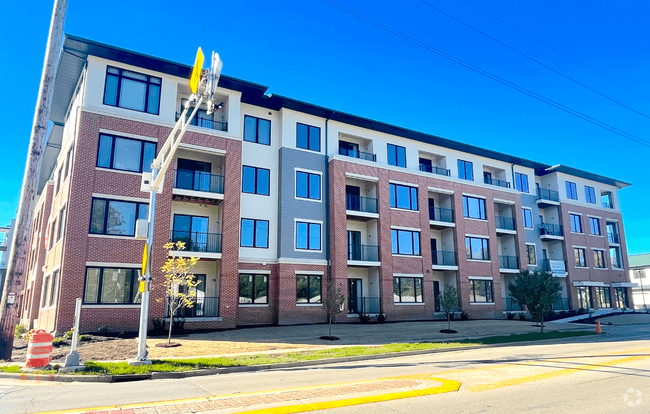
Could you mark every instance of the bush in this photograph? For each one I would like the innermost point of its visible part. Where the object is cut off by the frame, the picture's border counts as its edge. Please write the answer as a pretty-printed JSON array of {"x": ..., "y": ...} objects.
[
  {"x": 582, "y": 311},
  {"x": 363, "y": 318},
  {"x": 522, "y": 316},
  {"x": 510, "y": 316},
  {"x": 104, "y": 330},
  {"x": 57, "y": 342},
  {"x": 464, "y": 316},
  {"x": 20, "y": 331},
  {"x": 28, "y": 334},
  {"x": 85, "y": 338},
  {"x": 381, "y": 318},
  {"x": 68, "y": 334},
  {"x": 158, "y": 325}
]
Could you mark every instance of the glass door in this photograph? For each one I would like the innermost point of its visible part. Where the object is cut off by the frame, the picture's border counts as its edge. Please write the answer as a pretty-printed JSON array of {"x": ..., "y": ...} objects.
[
  {"x": 193, "y": 175},
  {"x": 355, "y": 298},
  {"x": 354, "y": 245},
  {"x": 352, "y": 198},
  {"x": 193, "y": 230}
]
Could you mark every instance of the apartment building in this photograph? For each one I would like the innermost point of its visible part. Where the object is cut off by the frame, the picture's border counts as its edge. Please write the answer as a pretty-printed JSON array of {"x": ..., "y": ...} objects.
[
  {"x": 277, "y": 196},
  {"x": 639, "y": 273}
]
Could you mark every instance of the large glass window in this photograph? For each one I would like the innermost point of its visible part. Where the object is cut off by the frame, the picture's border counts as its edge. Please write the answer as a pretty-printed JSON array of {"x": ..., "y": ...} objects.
[
  {"x": 308, "y": 185},
  {"x": 402, "y": 196},
  {"x": 54, "y": 292},
  {"x": 125, "y": 154},
  {"x": 257, "y": 130},
  {"x": 474, "y": 207},
  {"x": 254, "y": 233},
  {"x": 308, "y": 236},
  {"x": 599, "y": 259},
  {"x": 407, "y": 290},
  {"x": 531, "y": 253},
  {"x": 612, "y": 233},
  {"x": 622, "y": 300},
  {"x": 256, "y": 180},
  {"x": 308, "y": 289},
  {"x": 253, "y": 289},
  {"x": 105, "y": 285},
  {"x": 594, "y": 225},
  {"x": 61, "y": 228},
  {"x": 405, "y": 242},
  {"x": 132, "y": 90},
  {"x": 396, "y": 155},
  {"x": 116, "y": 217},
  {"x": 576, "y": 223},
  {"x": 580, "y": 257},
  {"x": 521, "y": 182},
  {"x": 584, "y": 297},
  {"x": 590, "y": 194},
  {"x": 68, "y": 162},
  {"x": 477, "y": 248},
  {"x": 604, "y": 297},
  {"x": 480, "y": 291},
  {"x": 308, "y": 137},
  {"x": 465, "y": 170},
  {"x": 528, "y": 217},
  {"x": 44, "y": 293},
  {"x": 571, "y": 191}
]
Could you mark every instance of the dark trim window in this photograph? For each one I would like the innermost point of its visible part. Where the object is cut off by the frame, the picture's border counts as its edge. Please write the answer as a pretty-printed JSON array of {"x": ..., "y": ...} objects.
[
  {"x": 125, "y": 154},
  {"x": 403, "y": 196},
  {"x": 474, "y": 207},
  {"x": 68, "y": 162},
  {"x": 580, "y": 257},
  {"x": 57, "y": 187},
  {"x": 477, "y": 248},
  {"x": 531, "y": 254},
  {"x": 255, "y": 233},
  {"x": 584, "y": 297},
  {"x": 111, "y": 286},
  {"x": 308, "y": 185},
  {"x": 396, "y": 155},
  {"x": 256, "y": 180},
  {"x": 465, "y": 170},
  {"x": 46, "y": 286},
  {"x": 622, "y": 300},
  {"x": 253, "y": 289},
  {"x": 521, "y": 182},
  {"x": 576, "y": 223},
  {"x": 308, "y": 236},
  {"x": 604, "y": 297},
  {"x": 615, "y": 257},
  {"x": 407, "y": 290},
  {"x": 594, "y": 226},
  {"x": 308, "y": 289},
  {"x": 54, "y": 291},
  {"x": 257, "y": 130},
  {"x": 480, "y": 291},
  {"x": 599, "y": 259},
  {"x": 52, "y": 228},
  {"x": 590, "y": 194},
  {"x": 61, "y": 228},
  {"x": 116, "y": 217},
  {"x": 132, "y": 90},
  {"x": 571, "y": 190},
  {"x": 405, "y": 242},
  {"x": 308, "y": 137},
  {"x": 528, "y": 217}
]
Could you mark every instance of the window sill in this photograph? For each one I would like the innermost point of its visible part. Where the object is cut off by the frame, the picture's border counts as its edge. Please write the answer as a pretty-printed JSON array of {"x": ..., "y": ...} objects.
[
  {"x": 408, "y": 303},
  {"x": 118, "y": 171},
  {"x": 253, "y": 305},
  {"x": 307, "y": 305},
  {"x": 313, "y": 200},
  {"x": 479, "y": 260},
  {"x": 111, "y": 236},
  {"x": 578, "y": 232},
  {"x": 112, "y": 306},
  {"x": 618, "y": 268},
  {"x": 407, "y": 255},
  {"x": 475, "y": 219},
  {"x": 600, "y": 268},
  {"x": 404, "y": 209},
  {"x": 581, "y": 267},
  {"x": 482, "y": 303},
  {"x": 596, "y": 235}
]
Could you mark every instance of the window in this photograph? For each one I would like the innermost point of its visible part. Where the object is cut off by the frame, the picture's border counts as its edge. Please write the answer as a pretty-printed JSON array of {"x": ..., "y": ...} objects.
[
  {"x": 584, "y": 297},
  {"x": 402, "y": 196},
  {"x": 52, "y": 227},
  {"x": 594, "y": 224},
  {"x": 125, "y": 154},
  {"x": 253, "y": 289},
  {"x": 116, "y": 217},
  {"x": 308, "y": 236},
  {"x": 580, "y": 257},
  {"x": 308, "y": 289},
  {"x": 255, "y": 233},
  {"x": 480, "y": 291},
  {"x": 465, "y": 170},
  {"x": 109, "y": 286},
  {"x": 621, "y": 297},
  {"x": 599, "y": 259},
  {"x": 405, "y": 242},
  {"x": 576, "y": 223},
  {"x": 46, "y": 286},
  {"x": 528, "y": 217},
  {"x": 532, "y": 255},
  {"x": 521, "y": 182},
  {"x": 590, "y": 194},
  {"x": 571, "y": 191},
  {"x": 132, "y": 90},
  {"x": 604, "y": 297},
  {"x": 606, "y": 200},
  {"x": 638, "y": 274},
  {"x": 256, "y": 180},
  {"x": 61, "y": 228},
  {"x": 57, "y": 187},
  {"x": 307, "y": 185},
  {"x": 477, "y": 248},
  {"x": 396, "y": 155},
  {"x": 407, "y": 290},
  {"x": 474, "y": 207},
  {"x": 615, "y": 257},
  {"x": 68, "y": 162},
  {"x": 308, "y": 137},
  {"x": 54, "y": 291},
  {"x": 257, "y": 130}
]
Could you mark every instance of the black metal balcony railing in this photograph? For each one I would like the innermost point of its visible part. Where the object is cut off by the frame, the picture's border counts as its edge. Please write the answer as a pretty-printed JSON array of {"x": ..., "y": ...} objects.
[
  {"x": 197, "y": 242},
  {"x": 613, "y": 238},
  {"x": 508, "y": 262},
  {"x": 545, "y": 265},
  {"x": 435, "y": 170},
  {"x": 357, "y": 154},
  {"x": 562, "y": 304},
  {"x": 443, "y": 258},
  {"x": 543, "y": 194},
  {"x": 357, "y": 203},
  {"x": 607, "y": 204},
  {"x": 498, "y": 183},
  {"x": 206, "y": 123},
  {"x": 505, "y": 223},
  {"x": 441, "y": 214},
  {"x": 202, "y": 307},
  {"x": 362, "y": 252},
  {"x": 546, "y": 229},
  {"x": 198, "y": 181},
  {"x": 511, "y": 305}
]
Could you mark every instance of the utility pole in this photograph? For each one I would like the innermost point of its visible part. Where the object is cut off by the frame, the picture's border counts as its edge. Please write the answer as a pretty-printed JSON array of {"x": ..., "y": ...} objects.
[{"x": 16, "y": 264}]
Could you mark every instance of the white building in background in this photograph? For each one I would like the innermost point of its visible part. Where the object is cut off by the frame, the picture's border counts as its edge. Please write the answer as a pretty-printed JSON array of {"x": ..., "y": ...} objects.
[
  {"x": 6, "y": 238},
  {"x": 640, "y": 274}
]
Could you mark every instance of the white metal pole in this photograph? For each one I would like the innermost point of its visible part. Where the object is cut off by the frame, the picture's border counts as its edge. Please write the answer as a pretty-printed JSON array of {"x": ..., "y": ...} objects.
[{"x": 72, "y": 362}]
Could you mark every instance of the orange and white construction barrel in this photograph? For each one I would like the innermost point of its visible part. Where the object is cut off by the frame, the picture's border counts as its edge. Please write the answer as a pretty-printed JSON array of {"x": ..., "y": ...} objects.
[{"x": 39, "y": 349}]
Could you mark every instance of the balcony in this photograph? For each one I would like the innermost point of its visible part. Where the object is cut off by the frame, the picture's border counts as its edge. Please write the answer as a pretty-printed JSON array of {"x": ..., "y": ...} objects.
[
  {"x": 201, "y": 245},
  {"x": 362, "y": 208},
  {"x": 198, "y": 186},
  {"x": 607, "y": 204},
  {"x": 550, "y": 232},
  {"x": 505, "y": 224},
  {"x": 367, "y": 306},
  {"x": 357, "y": 154},
  {"x": 443, "y": 260},
  {"x": 435, "y": 170},
  {"x": 363, "y": 255},
  {"x": 511, "y": 305},
  {"x": 498, "y": 183},
  {"x": 508, "y": 264},
  {"x": 441, "y": 217},
  {"x": 545, "y": 266},
  {"x": 201, "y": 122},
  {"x": 547, "y": 198},
  {"x": 203, "y": 307}
]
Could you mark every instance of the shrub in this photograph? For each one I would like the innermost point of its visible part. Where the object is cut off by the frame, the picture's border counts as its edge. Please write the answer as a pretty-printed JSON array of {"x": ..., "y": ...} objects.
[
  {"x": 20, "y": 331},
  {"x": 464, "y": 316},
  {"x": 522, "y": 316},
  {"x": 381, "y": 318},
  {"x": 85, "y": 338},
  {"x": 510, "y": 316},
  {"x": 103, "y": 330},
  {"x": 363, "y": 318},
  {"x": 158, "y": 325},
  {"x": 68, "y": 334},
  {"x": 57, "y": 342},
  {"x": 28, "y": 334},
  {"x": 582, "y": 311}
]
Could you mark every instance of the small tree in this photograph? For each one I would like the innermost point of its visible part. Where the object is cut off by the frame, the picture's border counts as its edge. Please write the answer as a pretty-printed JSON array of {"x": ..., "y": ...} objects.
[
  {"x": 449, "y": 302},
  {"x": 537, "y": 291},
  {"x": 179, "y": 282},
  {"x": 334, "y": 301}
]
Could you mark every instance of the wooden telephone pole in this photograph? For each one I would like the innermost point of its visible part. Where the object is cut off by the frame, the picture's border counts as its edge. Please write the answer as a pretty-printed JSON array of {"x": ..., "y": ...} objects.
[{"x": 15, "y": 280}]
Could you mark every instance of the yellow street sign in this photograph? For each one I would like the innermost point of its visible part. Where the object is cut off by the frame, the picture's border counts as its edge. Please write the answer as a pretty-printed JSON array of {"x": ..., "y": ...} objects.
[
  {"x": 144, "y": 267},
  {"x": 196, "y": 72}
]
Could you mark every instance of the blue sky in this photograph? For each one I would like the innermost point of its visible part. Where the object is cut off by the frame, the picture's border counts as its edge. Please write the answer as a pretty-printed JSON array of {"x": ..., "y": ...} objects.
[{"x": 312, "y": 51}]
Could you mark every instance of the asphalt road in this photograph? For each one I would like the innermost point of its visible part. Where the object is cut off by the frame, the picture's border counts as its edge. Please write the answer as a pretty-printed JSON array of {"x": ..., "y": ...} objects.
[{"x": 590, "y": 375}]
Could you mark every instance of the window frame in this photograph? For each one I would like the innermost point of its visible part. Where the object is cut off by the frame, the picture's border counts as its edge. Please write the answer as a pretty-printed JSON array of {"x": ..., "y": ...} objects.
[
  {"x": 47, "y": 281},
  {"x": 482, "y": 208},
  {"x": 523, "y": 214},
  {"x": 415, "y": 289},
  {"x": 521, "y": 182},
  {"x": 111, "y": 166},
  {"x": 489, "y": 293},
  {"x": 485, "y": 246},
  {"x": 108, "y": 201},
  {"x": 594, "y": 223},
  {"x": 55, "y": 278},
  {"x": 396, "y": 151},
  {"x": 68, "y": 162},
  {"x": 598, "y": 256},
  {"x": 309, "y": 175},
  {"x": 576, "y": 226},
  {"x": 254, "y": 276},
  {"x": 62, "y": 222},
  {"x": 257, "y": 130},
  {"x": 393, "y": 200},
  {"x": 133, "y": 288},
  {"x": 464, "y": 169},
  {"x": 571, "y": 190},
  {"x": 309, "y": 280},
  {"x": 395, "y": 242},
  {"x": 255, "y": 221},
  {"x": 308, "y": 237},
  {"x": 534, "y": 246},
  {"x": 590, "y": 194},
  {"x": 309, "y": 131},
  {"x": 256, "y": 180},
  {"x": 120, "y": 77},
  {"x": 576, "y": 256}
]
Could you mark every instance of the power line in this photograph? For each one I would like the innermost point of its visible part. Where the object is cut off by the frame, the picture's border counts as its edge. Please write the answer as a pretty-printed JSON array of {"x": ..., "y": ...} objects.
[
  {"x": 557, "y": 51},
  {"x": 533, "y": 59},
  {"x": 530, "y": 93}
]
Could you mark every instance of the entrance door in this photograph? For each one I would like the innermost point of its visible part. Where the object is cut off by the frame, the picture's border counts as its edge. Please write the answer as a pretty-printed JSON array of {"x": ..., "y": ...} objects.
[
  {"x": 487, "y": 178},
  {"x": 193, "y": 230},
  {"x": 354, "y": 245},
  {"x": 352, "y": 198},
  {"x": 355, "y": 298},
  {"x": 434, "y": 252},
  {"x": 193, "y": 175},
  {"x": 436, "y": 295}
]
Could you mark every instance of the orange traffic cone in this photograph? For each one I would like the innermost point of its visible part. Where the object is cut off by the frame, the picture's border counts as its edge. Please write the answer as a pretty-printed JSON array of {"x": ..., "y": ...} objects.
[{"x": 598, "y": 329}]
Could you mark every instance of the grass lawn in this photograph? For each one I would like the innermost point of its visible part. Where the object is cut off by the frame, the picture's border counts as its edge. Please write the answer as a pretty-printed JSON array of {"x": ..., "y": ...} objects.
[
  {"x": 535, "y": 336},
  {"x": 13, "y": 369}
]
